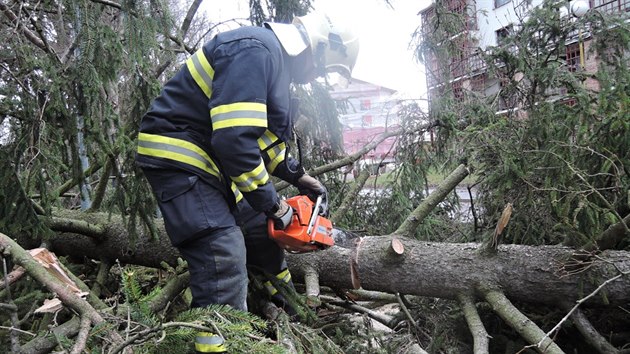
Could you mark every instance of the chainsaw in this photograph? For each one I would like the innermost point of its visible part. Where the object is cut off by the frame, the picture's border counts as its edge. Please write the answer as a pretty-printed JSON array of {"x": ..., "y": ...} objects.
[{"x": 309, "y": 229}]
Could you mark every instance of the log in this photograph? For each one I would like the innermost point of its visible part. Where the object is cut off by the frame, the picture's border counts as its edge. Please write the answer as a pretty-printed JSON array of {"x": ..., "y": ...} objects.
[{"x": 443, "y": 270}]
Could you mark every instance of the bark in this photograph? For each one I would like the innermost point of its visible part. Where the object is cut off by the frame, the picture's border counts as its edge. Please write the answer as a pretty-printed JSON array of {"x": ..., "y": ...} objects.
[
  {"x": 612, "y": 236},
  {"x": 444, "y": 270},
  {"x": 591, "y": 335},
  {"x": 118, "y": 244},
  {"x": 477, "y": 329},
  {"x": 521, "y": 324}
]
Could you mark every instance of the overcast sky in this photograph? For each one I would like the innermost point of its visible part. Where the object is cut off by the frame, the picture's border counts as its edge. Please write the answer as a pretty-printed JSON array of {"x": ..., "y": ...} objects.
[{"x": 385, "y": 33}]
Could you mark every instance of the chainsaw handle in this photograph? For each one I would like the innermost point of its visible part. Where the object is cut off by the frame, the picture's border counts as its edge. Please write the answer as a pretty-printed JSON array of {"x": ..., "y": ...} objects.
[{"x": 314, "y": 215}]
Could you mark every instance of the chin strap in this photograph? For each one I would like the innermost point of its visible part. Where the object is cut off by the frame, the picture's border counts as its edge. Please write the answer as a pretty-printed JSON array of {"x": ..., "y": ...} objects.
[
  {"x": 293, "y": 112},
  {"x": 319, "y": 56}
]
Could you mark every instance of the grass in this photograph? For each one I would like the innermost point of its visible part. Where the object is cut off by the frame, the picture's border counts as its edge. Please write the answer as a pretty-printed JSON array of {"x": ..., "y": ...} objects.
[{"x": 434, "y": 177}]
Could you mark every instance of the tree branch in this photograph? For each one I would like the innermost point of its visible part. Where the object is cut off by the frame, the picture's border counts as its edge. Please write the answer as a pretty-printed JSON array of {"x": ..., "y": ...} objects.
[
  {"x": 192, "y": 10},
  {"x": 477, "y": 329},
  {"x": 388, "y": 321},
  {"x": 350, "y": 197},
  {"x": 611, "y": 236},
  {"x": 45, "y": 342},
  {"x": 32, "y": 37},
  {"x": 580, "y": 302},
  {"x": 84, "y": 331},
  {"x": 348, "y": 160},
  {"x": 101, "y": 187},
  {"x": 39, "y": 273},
  {"x": 591, "y": 335},
  {"x": 517, "y": 320},
  {"x": 12, "y": 277},
  {"x": 95, "y": 231},
  {"x": 408, "y": 227},
  {"x": 15, "y": 340}
]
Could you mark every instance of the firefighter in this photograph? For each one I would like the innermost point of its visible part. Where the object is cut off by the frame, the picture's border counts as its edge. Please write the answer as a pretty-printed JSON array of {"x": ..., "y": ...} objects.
[{"x": 210, "y": 141}]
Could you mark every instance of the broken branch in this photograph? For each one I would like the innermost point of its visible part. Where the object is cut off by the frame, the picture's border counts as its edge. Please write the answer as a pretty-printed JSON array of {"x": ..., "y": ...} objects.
[
  {"x": 477, "y": 329},
  {"x": 409, "y": 226},
  {"x": 519, "y": 322}
]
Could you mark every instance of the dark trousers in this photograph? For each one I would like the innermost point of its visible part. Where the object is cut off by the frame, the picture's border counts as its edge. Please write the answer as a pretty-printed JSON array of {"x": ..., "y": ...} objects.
[{"x": 218, "y": 243}]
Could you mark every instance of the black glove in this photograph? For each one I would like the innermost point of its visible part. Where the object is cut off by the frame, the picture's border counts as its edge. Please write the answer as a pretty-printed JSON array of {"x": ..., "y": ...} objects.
[
  {"x": 313, "y": 188},
  {"x": 281, "y": 214}
]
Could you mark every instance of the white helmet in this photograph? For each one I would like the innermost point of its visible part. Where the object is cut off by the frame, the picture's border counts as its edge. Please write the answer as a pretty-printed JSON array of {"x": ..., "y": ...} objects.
[{"x": 334, "y": 47}]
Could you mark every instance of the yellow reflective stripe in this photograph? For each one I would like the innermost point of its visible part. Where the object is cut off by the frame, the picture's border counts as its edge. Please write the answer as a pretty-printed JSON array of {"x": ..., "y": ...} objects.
[
  {"x": 276, "y": 156},
  {"x": 201, "y": 71},
  {"x": 285, "y": 276},
  {"x": 240, "y": 114},
  {"x": 270, "y": 288},
  {"x": 177, "y": 150},
  {"x": 250, "y": 181},
  {"x": 237, "y": 194},
  {"x": 207, "y": 342},
  {"x": 266, "y": 140}
]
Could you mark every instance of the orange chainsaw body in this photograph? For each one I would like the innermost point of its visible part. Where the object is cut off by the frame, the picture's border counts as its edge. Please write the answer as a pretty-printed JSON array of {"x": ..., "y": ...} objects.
[{"x": 296, "y": 237}]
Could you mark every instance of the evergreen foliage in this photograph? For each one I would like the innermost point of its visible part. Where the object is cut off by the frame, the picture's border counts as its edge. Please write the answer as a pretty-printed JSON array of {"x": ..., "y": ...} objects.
[{"x": 561, "y": 157}]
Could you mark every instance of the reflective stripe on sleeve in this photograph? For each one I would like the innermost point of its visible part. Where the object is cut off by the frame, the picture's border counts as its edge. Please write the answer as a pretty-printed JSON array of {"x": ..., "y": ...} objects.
[
  {"x": 240, "y": 114},
  {"x": 267, "y": 139},
  {"x": 176, "y": 150},
  {"x": 275, "y": 156},
  {"x": 249, "y": 181},
  {"x": 201, "y": 71},
  {"x": 237, "y": 194}
]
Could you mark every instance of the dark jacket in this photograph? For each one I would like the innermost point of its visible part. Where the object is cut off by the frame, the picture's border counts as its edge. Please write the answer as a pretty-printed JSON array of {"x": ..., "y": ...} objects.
[{"x": 226, "y": 116}]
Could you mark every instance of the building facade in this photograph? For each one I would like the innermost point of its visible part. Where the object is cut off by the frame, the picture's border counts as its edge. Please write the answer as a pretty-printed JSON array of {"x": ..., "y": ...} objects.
[
  {"x": 366, "y": 111},
  {"x": 486, "y": 23}
]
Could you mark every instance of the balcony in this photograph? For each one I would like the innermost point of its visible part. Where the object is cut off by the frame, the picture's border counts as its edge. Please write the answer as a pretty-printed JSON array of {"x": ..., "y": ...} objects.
[{"x": 615, "y": 6}]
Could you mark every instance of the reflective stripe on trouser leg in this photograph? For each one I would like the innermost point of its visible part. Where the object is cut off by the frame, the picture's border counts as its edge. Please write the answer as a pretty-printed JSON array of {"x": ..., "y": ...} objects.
[
  {"x": 218, "y": 274},
  {"x": 207, "y": 342},
  {"x": 283, "y": 276}
]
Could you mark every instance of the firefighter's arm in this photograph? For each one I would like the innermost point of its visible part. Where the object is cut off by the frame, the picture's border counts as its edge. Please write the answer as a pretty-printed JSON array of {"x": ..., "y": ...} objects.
[
  {"x": 238, "y": 111},
  {"x": 288, "y": 169}
]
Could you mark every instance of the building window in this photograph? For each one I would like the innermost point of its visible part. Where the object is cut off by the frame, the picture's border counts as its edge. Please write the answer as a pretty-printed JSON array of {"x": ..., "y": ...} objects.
[
  {"x": 507, "y": 96},
  {"x": 503, "y": 34},
  {"x": 478, "y": 83},
  {"x": 458, "y": 91},
  {"x": 456, "y": 6},
  {"x": 573, "y": 57},
  {"x": 366, "y": 120},
  {"x": 569, "y": 102},
  {"x": 366, "y": 105},
  {"x": 499, "y": 3}
]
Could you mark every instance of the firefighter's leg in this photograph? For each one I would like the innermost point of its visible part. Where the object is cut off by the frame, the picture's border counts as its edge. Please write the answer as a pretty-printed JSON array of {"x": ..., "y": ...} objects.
[
  {"x": 216, "y": 263},
  {"x": 199, "y": 223},
  {"x": 217, "y": 276},
  {"x": 263, "y": 254}
]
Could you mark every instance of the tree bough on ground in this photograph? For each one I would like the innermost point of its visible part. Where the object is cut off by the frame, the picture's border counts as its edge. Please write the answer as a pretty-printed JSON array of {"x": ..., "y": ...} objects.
[{"x": 551, "y": 275}]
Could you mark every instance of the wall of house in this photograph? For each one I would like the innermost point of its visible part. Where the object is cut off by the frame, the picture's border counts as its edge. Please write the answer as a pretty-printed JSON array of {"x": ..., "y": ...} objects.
[
  {"x": 369, "y": 110},
  {"x": 491, "y": 19}
]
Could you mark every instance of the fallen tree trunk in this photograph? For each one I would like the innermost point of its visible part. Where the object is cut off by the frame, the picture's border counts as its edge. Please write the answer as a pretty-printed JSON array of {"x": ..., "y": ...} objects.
[{"x": 444, "y": 270}]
